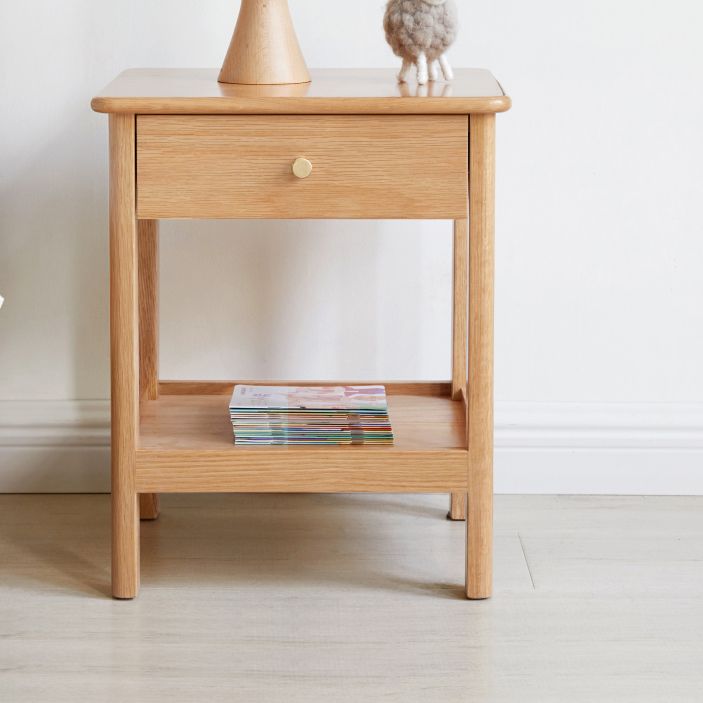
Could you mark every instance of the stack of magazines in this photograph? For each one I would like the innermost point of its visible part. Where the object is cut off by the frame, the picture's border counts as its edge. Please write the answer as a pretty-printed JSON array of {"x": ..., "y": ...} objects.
[{"x": 301, "y": 415}]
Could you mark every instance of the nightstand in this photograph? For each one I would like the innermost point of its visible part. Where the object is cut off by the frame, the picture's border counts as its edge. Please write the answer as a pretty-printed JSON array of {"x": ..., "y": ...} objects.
[{"x": 351, "y": 144}]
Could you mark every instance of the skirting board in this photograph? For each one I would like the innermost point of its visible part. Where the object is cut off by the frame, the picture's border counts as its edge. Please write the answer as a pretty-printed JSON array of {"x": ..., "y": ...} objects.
[{"x": 587, "y": 448}]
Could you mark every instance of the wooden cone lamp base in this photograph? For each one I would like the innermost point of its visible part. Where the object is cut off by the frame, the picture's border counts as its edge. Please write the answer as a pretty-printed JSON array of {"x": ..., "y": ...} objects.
[{"x": 264, "y": 49}]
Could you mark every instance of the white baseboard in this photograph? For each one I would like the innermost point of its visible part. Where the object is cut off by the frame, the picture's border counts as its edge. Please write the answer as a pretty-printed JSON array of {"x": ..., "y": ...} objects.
[
  {"x": 60, "y": 446},
  {"x": 591, "y": 448},
  {"x": 599, "y": 448}
]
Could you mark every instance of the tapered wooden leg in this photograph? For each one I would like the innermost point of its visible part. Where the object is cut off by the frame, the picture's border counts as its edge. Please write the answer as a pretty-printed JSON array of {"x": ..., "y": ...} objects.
[
  {"x": 460, "y": 342},
  {"x": 148, "y": 235},
  {"x": 149, "y": 506},
  {"x": 479, "y": 542},
  {"x": 124, "y": 353},
  {"x": 457, "y": 506}
]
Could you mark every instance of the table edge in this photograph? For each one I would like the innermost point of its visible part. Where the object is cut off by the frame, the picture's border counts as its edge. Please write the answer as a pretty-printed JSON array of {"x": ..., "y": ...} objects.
[{"x": 300, "y": 106}]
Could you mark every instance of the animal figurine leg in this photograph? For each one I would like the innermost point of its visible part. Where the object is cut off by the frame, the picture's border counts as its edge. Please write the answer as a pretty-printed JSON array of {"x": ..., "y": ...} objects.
[
  {"x": 422, "y": 74},
  {"x": 433, "y": 70},
  {"x": 446, "y": 68},
  {"x": 405, "y": 71}
]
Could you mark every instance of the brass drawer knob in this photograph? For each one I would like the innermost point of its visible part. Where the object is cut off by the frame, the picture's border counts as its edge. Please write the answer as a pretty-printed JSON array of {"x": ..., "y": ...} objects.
[{"x": 302, "y": 168}]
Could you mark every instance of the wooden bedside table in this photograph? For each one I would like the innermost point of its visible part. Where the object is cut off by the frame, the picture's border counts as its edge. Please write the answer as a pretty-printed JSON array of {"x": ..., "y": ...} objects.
[{"x": 184, "y": 146}]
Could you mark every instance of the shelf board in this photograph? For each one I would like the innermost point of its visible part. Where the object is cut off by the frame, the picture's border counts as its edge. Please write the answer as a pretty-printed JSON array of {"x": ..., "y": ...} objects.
[{"x": 186, "y": 445}]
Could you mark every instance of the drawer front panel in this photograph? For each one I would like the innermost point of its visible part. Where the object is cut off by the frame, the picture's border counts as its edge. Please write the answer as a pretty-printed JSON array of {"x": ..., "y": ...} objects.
[{"x": 212, "y": 166}]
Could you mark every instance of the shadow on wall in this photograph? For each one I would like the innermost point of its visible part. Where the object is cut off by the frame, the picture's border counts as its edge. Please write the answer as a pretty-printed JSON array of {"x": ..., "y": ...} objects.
[
  {"x": 53, "y": 268},
  {"x": 294, "y": 299}
]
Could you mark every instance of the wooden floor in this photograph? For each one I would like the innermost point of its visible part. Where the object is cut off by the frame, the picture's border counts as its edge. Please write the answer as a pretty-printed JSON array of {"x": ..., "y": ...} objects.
[{"x": 353, "y": 598}]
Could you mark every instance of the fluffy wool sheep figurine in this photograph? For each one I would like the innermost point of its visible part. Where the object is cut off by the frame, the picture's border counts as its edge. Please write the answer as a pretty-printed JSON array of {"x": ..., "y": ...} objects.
[{"x": 420, "y": 31}]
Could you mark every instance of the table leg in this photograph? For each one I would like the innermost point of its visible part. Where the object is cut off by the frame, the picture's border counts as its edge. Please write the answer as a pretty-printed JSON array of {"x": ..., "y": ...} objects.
[
  {"x": 460, "y": 341},
  {"x": 148, "y": 236},
  {"x": 149, "y": 508},
  {"x": 457, "y": 506},
  {"x": 124, "y": 354},
  {"x": 479, "y": 542}
]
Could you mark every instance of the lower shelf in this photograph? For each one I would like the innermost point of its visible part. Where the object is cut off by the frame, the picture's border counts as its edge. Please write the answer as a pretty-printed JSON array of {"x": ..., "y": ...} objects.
[{"x": 186, "y": 445}]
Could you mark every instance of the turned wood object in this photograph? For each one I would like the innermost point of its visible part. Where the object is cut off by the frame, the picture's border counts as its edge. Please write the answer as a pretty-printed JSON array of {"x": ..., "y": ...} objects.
[{"x": 264, "y": 49}]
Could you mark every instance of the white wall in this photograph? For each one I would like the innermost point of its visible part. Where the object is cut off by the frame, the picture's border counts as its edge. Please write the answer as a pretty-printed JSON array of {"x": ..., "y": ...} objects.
[{"x": 599, "y": 285}]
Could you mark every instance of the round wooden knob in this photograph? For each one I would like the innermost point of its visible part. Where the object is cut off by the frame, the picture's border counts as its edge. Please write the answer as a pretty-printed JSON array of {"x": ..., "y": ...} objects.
[{"x": 302, "y": 168}]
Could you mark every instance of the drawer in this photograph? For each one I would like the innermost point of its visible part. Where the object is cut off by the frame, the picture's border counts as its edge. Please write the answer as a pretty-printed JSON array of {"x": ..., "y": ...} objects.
[{"x": 212, "y": 166}]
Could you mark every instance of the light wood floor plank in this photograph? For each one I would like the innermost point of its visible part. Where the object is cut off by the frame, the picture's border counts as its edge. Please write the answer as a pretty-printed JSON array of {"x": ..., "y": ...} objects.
[{"x": 353, "y": 598}]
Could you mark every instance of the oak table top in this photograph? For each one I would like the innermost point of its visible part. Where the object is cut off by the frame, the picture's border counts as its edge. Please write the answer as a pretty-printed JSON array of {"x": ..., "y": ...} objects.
[{"x": 332, "y": 91}]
